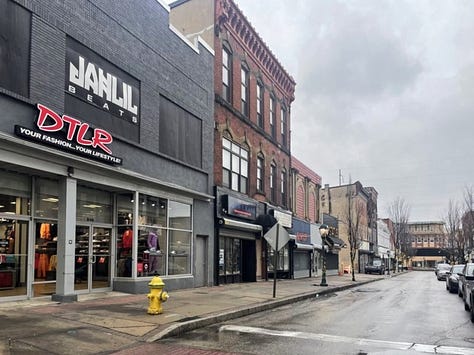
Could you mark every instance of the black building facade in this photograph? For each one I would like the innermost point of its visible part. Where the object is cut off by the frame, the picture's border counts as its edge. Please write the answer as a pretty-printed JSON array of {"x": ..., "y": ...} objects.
[{"x": 106, "y": 154}]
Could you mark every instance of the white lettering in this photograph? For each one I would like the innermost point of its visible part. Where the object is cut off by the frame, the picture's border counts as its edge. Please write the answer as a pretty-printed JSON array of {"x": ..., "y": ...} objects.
[
  {"x": 102, "y": 84},
  {"x": 121, "y": 112},
  {"x": 106, "y": 106},
  {"x": 116, "y": 100},
  {"x": 90, "y": 79},
  {"x": 76, "y": 76},
  {"x": 105, "y": 84},
  {"x": 89, "y": 97}
]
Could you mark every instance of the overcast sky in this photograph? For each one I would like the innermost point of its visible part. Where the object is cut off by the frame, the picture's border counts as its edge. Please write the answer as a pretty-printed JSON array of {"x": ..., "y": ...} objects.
[{"x": 385, "y": 93}]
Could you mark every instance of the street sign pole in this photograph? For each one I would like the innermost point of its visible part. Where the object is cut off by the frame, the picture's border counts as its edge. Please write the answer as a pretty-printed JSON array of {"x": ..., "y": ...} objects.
[{"x": 275, "y": 264}]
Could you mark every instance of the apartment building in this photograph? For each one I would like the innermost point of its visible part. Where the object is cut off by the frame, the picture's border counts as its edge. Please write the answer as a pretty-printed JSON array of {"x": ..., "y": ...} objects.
[
  {"x": 253, "y": 94},
  {"x": 428, "y": 242}
]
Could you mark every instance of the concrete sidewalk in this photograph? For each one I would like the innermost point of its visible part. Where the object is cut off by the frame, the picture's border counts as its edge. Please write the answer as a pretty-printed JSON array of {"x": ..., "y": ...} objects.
[{"x": 115, "y": 322}]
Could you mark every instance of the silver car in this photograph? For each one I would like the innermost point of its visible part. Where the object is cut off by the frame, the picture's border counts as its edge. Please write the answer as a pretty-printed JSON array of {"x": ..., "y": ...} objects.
[{"x": 442, "y": 271}]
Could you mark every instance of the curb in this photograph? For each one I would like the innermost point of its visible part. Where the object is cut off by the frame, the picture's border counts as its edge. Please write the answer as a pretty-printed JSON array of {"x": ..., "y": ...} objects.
[{"x": 178, "y": 329}]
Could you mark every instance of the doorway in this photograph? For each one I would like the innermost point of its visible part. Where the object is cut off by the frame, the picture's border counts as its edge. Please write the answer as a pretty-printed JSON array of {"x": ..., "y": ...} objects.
[{"x": 92, "y": 257}]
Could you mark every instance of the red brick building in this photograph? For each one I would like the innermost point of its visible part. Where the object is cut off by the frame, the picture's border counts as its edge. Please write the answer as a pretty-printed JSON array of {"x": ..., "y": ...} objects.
[{"x": 253, "y": 96}]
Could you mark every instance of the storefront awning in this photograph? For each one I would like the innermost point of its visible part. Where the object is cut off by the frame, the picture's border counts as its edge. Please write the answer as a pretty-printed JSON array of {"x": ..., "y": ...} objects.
[
  {"x": 301, "y": 246},
  {"x": 335, "y": 241},
  {"x": 241, "y": 225},
  {"x": 304, "y": 246}
]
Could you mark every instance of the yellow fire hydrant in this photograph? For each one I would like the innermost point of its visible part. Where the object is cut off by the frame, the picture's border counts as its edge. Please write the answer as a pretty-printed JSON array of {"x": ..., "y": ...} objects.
[{"x": 157, "y": 295}]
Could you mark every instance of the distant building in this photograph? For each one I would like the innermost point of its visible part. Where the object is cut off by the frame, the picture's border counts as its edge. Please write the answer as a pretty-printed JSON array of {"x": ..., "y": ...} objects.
[
  {"x": 305, "y": 186},
  {"x": 252, "y": 105},
  {"x": 428, "y": 243},
  {"x": 349, "y": 203}
]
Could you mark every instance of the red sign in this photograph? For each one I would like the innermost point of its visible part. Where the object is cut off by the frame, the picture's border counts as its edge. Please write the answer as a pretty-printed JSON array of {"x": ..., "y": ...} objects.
[
  {"x": 76, "y": 130},
  {"x": 70, "y": 134}
]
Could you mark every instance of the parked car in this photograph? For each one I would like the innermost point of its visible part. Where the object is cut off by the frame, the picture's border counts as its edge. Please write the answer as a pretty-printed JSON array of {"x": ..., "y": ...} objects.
[
  {"x": 437, "y": 267},
  {"x": 468, "y": 285},
  {"x": 442, "y": 271},
  {"x": 452, "y": 279},
  {"x": 377, "y": 267},
  {"x": 462, "y": 280}
]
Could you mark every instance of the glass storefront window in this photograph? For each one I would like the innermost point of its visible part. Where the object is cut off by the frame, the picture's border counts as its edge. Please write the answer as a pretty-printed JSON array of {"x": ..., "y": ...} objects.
[
  {"x": 180, "y": 215},
  {"x": 15, "y": 193},
  {"x": 152, "y": 247},
  {"x": 152, "y": 211},
  {"x": 164, "y": 237},
  {"x": 46, "y": 198},
  {"x": 13, "y": 257},
  {"x": 283, "y": 259},
  {"x": 179, "y": 253},
  {"x": 125, "y": 235},
  {"x": 229, "y": 256},
  {"x": 125, "y": 205},
  {"x": 94, "y": 205}
]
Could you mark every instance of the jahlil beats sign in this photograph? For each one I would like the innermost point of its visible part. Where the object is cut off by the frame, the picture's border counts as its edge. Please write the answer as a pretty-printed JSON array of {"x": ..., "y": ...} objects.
[{"x": 70, "y": 134}]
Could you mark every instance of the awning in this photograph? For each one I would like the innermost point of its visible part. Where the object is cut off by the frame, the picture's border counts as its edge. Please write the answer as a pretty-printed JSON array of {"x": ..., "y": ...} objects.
[
  {"x": 301, "y": 246},
  {"x": 304, "y": 246},
  {"x": 230, "y": 223},
  {"x": 335, "y": 241}
]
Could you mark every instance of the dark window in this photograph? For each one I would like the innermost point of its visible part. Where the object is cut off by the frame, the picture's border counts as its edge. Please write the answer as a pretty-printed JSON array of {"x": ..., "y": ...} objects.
[
  {"x": 15, "y": 23},
  {"x": 260, "y": 105},
  {"x": 180, "y": 133},
  {"x": 226, "y": 74},
  {"x": 234, "y": 166},
  {"x": 273, "y": 186},
  {"x": 283, "y": 187},
  {"x": 260, "y": 173},
  {"x": 244, "y": 90},
  {"x": 272, "y": 117},
  {"x": 283, "y": 126}
]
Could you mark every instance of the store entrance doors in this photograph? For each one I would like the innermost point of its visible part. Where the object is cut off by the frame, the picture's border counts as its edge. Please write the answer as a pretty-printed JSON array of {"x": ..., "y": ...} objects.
[{"x": 92, "y": 259}]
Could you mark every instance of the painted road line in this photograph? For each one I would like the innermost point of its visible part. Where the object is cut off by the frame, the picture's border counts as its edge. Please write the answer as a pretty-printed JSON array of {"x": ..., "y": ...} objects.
[{"x": 424, "y": 348}]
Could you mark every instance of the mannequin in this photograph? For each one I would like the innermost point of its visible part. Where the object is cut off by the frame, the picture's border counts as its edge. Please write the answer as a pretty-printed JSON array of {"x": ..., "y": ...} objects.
[{"x": 154, "y": 247}]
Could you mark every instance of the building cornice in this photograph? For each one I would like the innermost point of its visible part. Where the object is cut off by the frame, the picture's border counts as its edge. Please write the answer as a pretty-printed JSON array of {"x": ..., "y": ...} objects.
[{"x": 230, "y": 17}]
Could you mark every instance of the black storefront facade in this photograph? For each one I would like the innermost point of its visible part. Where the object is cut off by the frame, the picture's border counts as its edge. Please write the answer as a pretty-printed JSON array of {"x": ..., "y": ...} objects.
[
  {"x": 95, "y": 192},
  {"x": 239, "y": 243},
  {"x": 301, "y": 248}
]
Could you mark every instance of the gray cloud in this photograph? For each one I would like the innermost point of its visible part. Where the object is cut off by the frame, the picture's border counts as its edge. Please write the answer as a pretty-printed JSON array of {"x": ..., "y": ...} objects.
[{"x": 384, "y": 92}]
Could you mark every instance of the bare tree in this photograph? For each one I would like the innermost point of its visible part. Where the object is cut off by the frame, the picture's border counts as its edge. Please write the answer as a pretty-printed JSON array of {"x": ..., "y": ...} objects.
[
  {"x": 456, "y": 241},
  {"x": 356, "y": 210},
  {"x": 399, "y": 212}
]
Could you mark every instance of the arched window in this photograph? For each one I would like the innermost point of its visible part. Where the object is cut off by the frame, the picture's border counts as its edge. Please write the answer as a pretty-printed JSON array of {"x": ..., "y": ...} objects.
[
  {"x": 272, "y": 116},
  {"x": 260, "y": 105},
  {"x": 273, "y": 185},
  {"x": 226, "y": 73},
  {"x": 300, "y": 201},
  {"x": 283, "y": 187},
  {"x": 260, "y": 172},
  {"x": 283, "y": 126},
  {"x": 244, "y": 89}
]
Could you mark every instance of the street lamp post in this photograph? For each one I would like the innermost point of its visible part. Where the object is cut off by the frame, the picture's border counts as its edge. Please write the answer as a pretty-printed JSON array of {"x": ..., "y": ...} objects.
[
  {"x": 388, "y": 256},
  {"x": 324, "y": 230}
]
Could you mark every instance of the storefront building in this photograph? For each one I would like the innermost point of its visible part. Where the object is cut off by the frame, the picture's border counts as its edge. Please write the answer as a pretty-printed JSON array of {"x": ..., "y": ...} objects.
[
  {"x": 301, "y": 248},
  {"x": 239, "y": 248},
  {"x": 252, "y": 112},
  {"x": 101, "y": 185}
]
